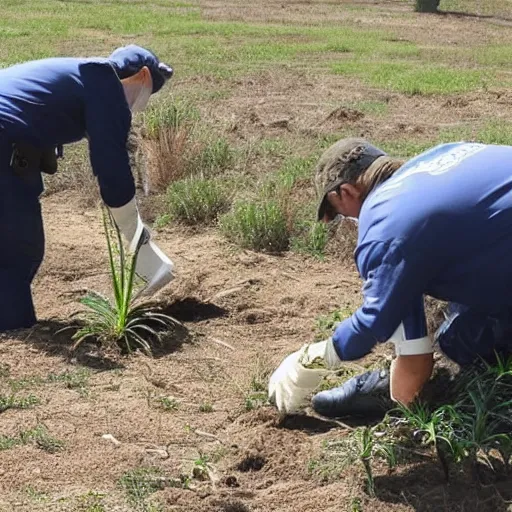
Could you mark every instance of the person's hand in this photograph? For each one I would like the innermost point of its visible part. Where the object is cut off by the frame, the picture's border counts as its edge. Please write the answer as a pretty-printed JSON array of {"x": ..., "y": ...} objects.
[
  {"x": 153, "y": 267},
  {"x": 300, "y": 374}
]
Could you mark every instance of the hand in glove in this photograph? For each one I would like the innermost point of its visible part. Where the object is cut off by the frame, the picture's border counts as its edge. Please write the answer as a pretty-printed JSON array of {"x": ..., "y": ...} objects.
[
  {"x": 365, "y": 395},
  {"x": 293, "y": 382},
  {"x": 153, "y": 266}
]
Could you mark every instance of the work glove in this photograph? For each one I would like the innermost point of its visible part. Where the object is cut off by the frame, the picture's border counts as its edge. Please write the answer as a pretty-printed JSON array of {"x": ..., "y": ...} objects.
[
  {"x": 292, "y": 383},
  {"x": 153, "y": 267},
  {"x": 365, "y": 395}
]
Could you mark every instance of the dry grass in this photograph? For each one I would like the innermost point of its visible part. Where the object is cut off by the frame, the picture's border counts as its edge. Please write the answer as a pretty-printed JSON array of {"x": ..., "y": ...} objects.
[{"x": 166, "y": 162}]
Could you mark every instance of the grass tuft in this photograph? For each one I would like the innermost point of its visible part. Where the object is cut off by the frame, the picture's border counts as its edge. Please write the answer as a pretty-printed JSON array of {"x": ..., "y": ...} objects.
[
  {"x": 168, "y": 133},
  {"x": 14, "y": 402},
  {"x": 258, "y": 225},
  {"x": 198, "y": 201}
]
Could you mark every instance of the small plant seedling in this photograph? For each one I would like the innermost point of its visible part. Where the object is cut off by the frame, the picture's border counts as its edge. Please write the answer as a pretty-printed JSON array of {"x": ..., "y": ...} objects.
[
  {"x": 45, "y": 441},
  {"x": 167, "y": 403},
  {"x": 121, "y": 322},
  {"x": 139, "y": 483},
  {"x": 13, "y": 402},
  {"x": 205, "y": 407},
  {"x": 92, "y": 502}
]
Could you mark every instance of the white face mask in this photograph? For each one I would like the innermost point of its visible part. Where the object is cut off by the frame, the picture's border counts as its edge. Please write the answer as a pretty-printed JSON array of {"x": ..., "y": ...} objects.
[{"x": 141, "y": 101}]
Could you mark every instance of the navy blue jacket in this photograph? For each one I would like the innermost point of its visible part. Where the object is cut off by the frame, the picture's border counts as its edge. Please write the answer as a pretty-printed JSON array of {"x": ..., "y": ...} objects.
[
  {"x": 440, "y": 226},
  {"x": 57, "y": 101}
]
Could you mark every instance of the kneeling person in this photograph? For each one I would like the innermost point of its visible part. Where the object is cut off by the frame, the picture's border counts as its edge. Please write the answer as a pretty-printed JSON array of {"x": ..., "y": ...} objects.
[{"x": 439, "y": 224}]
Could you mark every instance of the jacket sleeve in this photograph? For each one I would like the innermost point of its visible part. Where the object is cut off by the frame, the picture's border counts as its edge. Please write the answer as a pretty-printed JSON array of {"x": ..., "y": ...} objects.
[
  {"x": 107, "y": 122},
  {"x": 392, "y": 294}
]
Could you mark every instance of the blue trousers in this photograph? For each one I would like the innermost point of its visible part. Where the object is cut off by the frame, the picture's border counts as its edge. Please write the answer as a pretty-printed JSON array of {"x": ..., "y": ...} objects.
[
  {"x": 21, "y": 244},
  {"x": 468, "y": 336}
]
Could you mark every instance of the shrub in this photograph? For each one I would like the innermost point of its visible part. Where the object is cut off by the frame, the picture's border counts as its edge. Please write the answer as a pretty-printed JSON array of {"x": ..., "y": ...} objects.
[
  {"x": 427, "y": 5},
  {"x": 197, "y": 200},
  {"x": 259, "y": 225}
]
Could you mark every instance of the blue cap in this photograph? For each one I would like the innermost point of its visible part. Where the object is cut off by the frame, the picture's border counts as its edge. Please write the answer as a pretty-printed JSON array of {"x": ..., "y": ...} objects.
[{"x": 129, "y": 60}]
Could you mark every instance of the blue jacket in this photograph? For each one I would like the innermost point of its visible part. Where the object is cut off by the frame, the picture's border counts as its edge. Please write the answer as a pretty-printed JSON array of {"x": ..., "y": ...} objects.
[
  {"x": 440, "y": 226},
  {"x": 56, "y": 101}
]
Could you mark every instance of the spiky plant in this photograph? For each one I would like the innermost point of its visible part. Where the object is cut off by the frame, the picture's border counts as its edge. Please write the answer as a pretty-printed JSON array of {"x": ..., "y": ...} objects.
[{"x": 122, "y": 321}]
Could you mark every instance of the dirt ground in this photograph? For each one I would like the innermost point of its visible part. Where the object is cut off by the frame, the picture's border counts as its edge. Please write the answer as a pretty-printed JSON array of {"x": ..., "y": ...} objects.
[{"x": 242, "y": 312}]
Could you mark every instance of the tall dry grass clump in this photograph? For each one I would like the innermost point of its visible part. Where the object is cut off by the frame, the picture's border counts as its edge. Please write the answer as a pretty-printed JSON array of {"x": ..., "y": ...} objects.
[{"x": 167, "y": 142}]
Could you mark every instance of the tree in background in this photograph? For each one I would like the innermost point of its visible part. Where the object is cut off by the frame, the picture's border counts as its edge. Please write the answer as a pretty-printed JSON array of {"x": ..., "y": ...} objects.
[{"x": 427, "y": 5}]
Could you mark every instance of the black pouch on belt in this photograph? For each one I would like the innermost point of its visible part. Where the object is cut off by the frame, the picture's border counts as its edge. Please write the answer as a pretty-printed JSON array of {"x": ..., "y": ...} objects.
[{"x": 28, "y": 161}]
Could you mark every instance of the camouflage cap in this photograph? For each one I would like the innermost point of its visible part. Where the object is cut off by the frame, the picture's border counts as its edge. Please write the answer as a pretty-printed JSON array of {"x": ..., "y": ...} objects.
[{"x": 342, "y": 163}]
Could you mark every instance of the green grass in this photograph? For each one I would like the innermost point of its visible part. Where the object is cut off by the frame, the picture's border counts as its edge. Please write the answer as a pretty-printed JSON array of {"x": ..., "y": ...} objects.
[
  {"x": 198, "y": 201},
  {"x": 325, "y": 324},
  {"x": 206, "y": 407},
  {"x": 15, "y": 402},
  {"x": 215, "y": 157},
  {"x": 312, "y": 239},
  {"x": 167, "y": 403},
  {"x": 38, "y": 435},
  {"x": 372, "y": 107},
  {"x": 413, "y": 78},
  {"x": 172, "y": 114},
  {"x": 139, "y": 484},
  {"x": 260, "y": 225}
]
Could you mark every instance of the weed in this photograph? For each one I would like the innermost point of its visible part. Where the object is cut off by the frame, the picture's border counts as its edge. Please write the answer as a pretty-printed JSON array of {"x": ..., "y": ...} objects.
[
  {"x": 92, "y": 502},
  {"x": 45, "y": 441},
  {"x": 198, "y": 201},
  {"x": 361, "y": 445},
  {"x": 355, "y": 505},
  {"x": 254, "y": 400},
  {"x": 258, "y": 225},
  {"x": 122, "y": 323},
  {"x": 13, "y": 402},
  {"x": 140, "y": 483},
  {"x": 77, "y": 379},
  {"x": 5, "y": 370},
  {"x": 35, "y": 495},
  {"x": 167, "y": 403},
  {"x": 8, "y": 442},
  {"x": 205, "y": 407},
  {"x": 325, "y": 324}
]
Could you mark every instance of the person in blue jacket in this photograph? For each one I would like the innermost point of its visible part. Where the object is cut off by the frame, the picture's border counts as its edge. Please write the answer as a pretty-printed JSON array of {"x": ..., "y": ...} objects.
[
  {"x": 45, "y": 104},
  {"x": 439, "y": 224}
]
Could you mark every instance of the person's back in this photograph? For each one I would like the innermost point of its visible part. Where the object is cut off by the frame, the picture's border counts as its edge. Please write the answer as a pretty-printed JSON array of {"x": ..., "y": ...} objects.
[
  {"x": 450, "y": 211},
  {"x": 44, "y": 101}
]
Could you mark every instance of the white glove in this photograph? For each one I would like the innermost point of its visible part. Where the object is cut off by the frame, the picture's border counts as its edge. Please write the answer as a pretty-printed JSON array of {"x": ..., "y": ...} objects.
[
  {"x": 292, "y": 382},
  {"x": 153, "y": 266}
]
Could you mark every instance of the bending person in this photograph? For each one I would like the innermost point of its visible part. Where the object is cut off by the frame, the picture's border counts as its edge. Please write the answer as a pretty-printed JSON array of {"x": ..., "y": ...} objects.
[
  {"x": 439, "y": 225},
  {"x": 45, "y": 104}
]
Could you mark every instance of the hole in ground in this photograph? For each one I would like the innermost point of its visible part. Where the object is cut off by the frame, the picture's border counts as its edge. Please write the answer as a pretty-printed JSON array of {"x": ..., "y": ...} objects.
[
  {"x": 251, "y": 463},
  {"x": 191, "y": 309}
]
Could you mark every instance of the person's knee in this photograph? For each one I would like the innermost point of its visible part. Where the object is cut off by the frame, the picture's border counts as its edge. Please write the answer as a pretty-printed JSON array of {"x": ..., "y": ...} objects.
[{"x": 467, "y": 336}]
